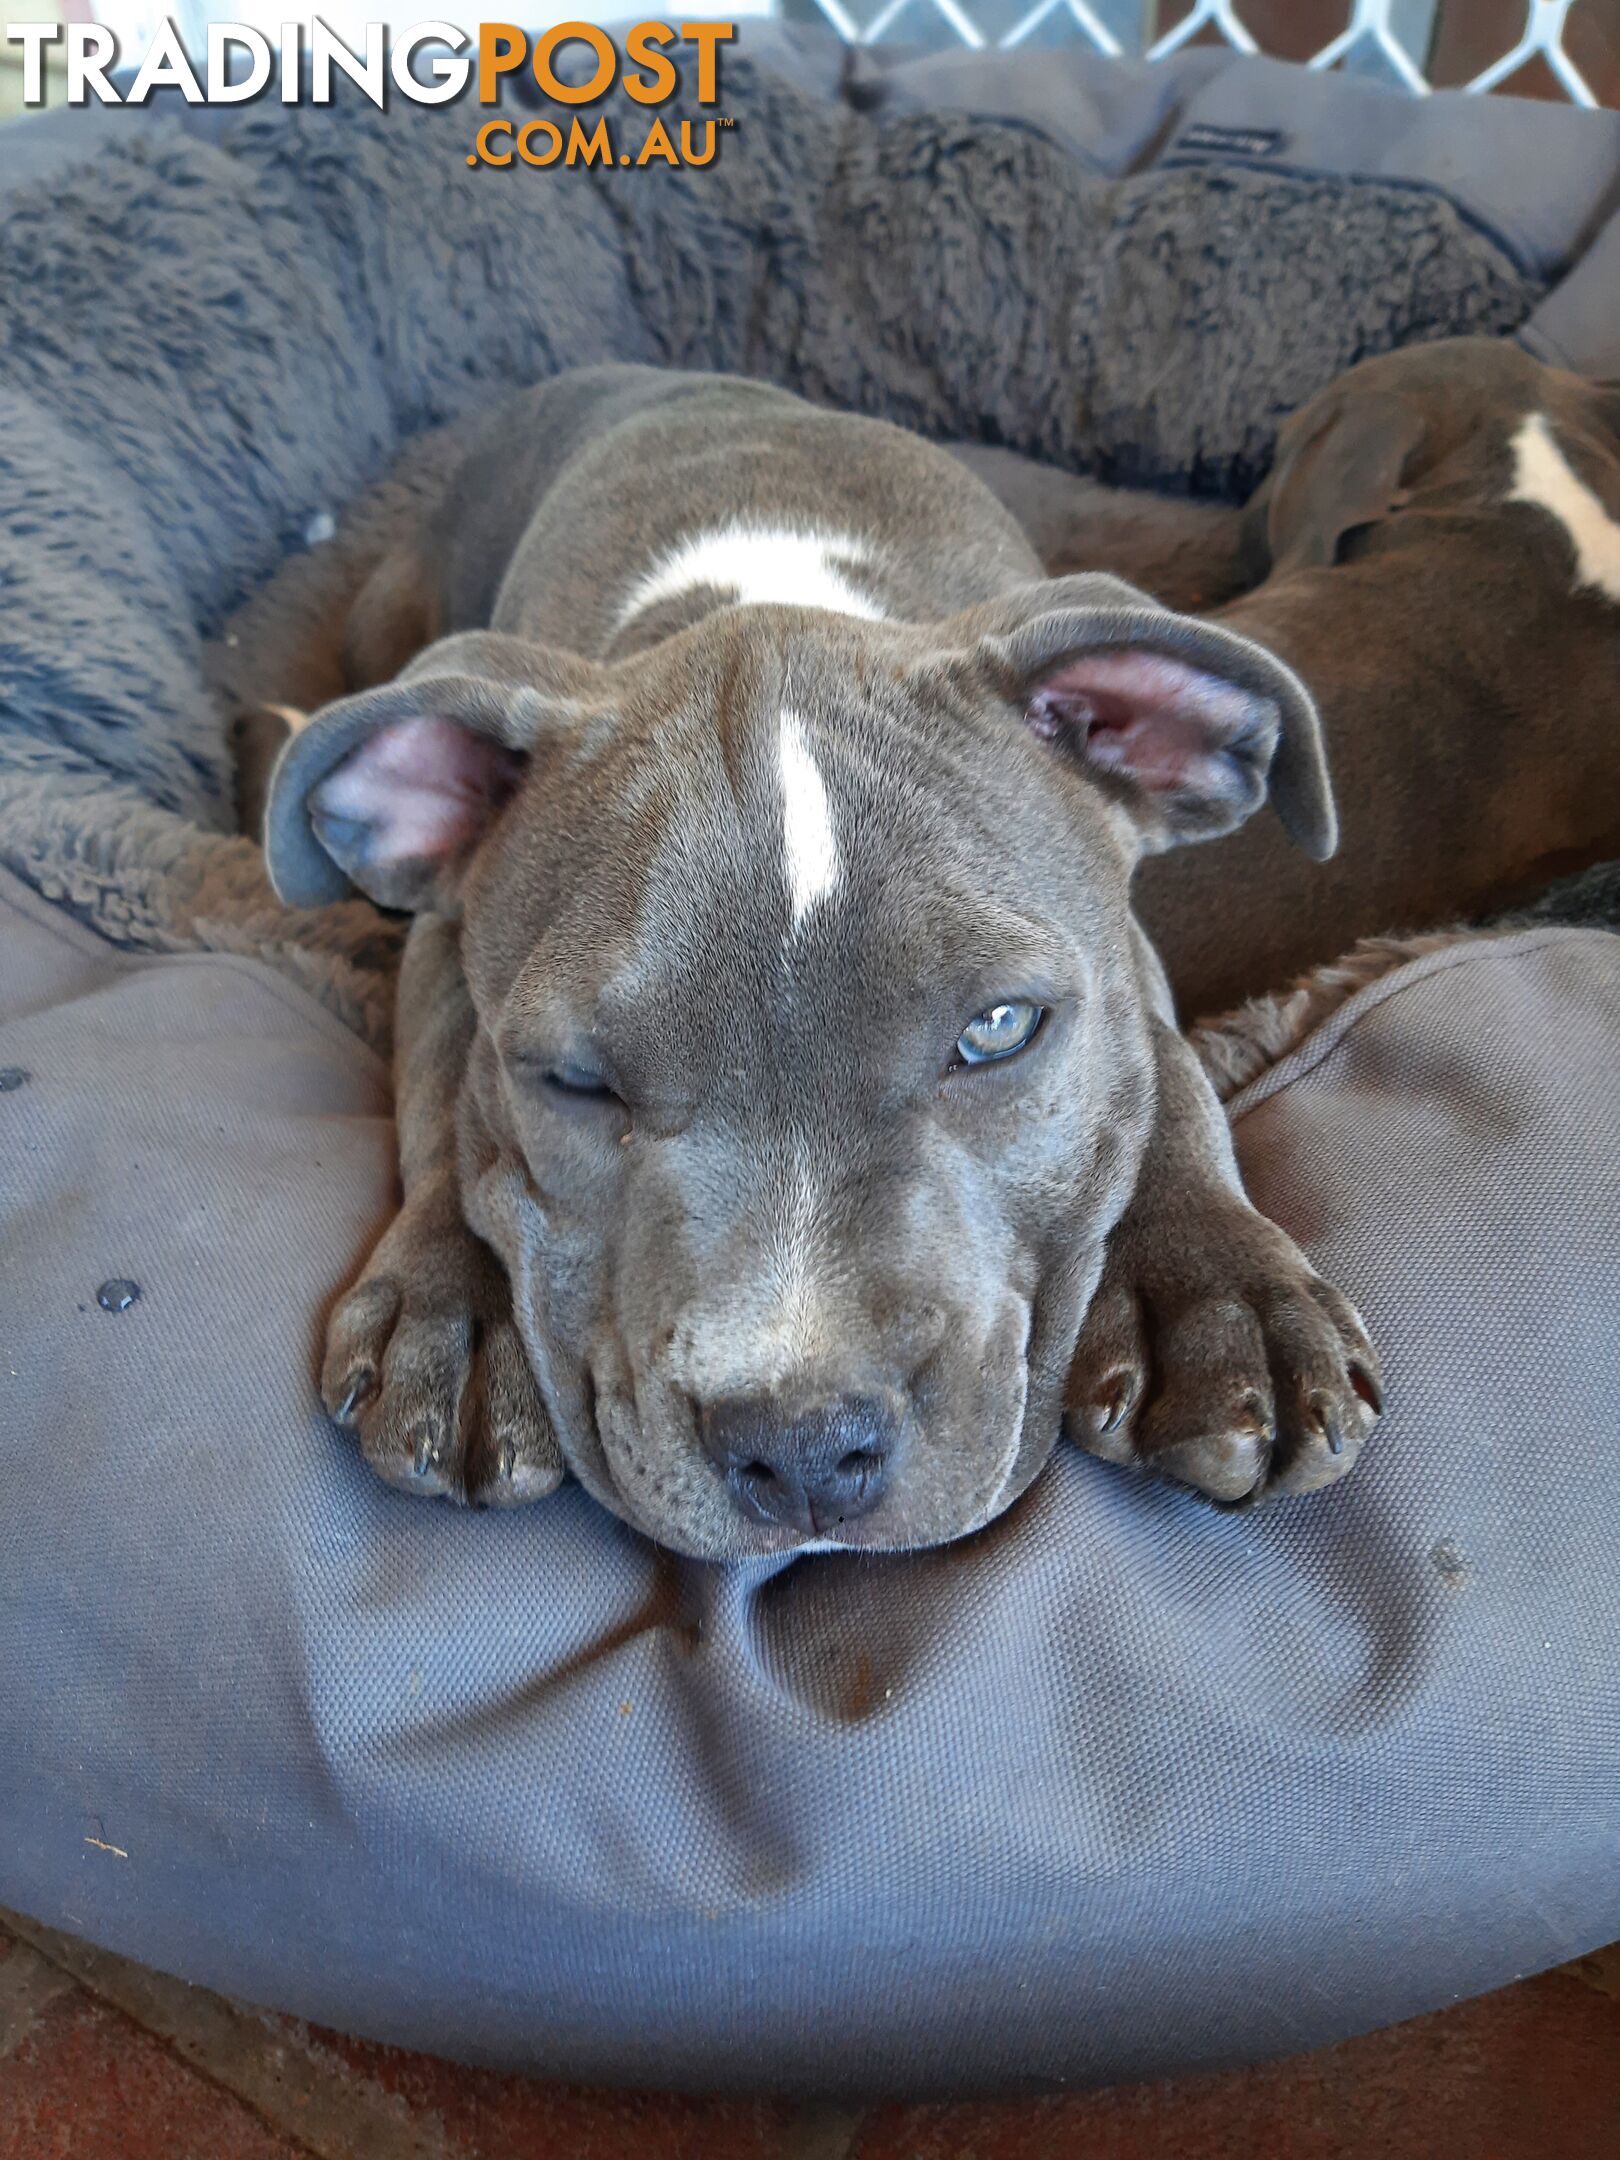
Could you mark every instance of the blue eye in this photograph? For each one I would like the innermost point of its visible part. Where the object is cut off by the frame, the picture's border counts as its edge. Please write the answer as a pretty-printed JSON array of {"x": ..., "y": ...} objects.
[{"x": 1000, "y": 1031}]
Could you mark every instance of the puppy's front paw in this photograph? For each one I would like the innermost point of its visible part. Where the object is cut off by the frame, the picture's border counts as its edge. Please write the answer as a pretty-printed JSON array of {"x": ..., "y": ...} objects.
[
  {"x": 1215, "y": 1354},
  {"x": 424, "y": 1362}
]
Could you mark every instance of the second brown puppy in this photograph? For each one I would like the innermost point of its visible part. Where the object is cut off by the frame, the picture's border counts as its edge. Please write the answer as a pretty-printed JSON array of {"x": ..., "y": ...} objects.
[{"x": 1437, "y": 553}]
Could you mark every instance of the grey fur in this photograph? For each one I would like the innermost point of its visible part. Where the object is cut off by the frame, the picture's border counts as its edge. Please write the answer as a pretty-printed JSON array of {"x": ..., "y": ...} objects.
[{"x": 773, "y": 1216}]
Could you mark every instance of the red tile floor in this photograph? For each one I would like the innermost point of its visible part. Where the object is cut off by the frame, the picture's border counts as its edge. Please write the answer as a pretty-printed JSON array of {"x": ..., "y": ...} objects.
[{"x": 101, "y": 2060}]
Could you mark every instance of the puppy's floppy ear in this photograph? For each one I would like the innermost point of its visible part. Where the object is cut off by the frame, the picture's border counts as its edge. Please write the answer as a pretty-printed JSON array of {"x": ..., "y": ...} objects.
[
  {"x": 392, "y": 789},
  {"x": 1340, "y": 463},
  {"x": 1186, "y": 722}
]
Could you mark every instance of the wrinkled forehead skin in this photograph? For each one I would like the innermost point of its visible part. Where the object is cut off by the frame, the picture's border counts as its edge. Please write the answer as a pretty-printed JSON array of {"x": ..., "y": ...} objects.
[
  {"x": 762, "y": 884},
  {"x": 666, "y": 840}
]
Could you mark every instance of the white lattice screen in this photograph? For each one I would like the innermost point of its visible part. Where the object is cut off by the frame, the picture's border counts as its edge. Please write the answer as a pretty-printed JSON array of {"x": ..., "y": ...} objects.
[
  {"x": 1496, "y": 41},
  {"x": 1389, "y": 38}
]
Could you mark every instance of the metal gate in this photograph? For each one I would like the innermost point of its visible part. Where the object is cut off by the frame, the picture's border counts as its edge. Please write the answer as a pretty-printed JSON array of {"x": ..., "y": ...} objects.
[{"x": 1397, "y": 40}]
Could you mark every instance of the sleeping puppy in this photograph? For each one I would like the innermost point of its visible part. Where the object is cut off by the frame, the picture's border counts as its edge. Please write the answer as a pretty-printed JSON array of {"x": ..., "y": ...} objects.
[
  {"x": 795, "y": 1130},
  {"x": 1437, "y": 553}
]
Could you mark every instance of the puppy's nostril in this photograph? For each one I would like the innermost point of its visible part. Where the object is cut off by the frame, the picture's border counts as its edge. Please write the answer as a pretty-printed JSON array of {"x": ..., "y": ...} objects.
[{"x": 802, "y": 1470}]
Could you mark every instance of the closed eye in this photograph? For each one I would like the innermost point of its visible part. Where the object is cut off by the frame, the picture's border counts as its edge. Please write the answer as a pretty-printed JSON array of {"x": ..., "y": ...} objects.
[
  {"x": 579, "y": 1081},
  {"x": 568, "y": 1084}
]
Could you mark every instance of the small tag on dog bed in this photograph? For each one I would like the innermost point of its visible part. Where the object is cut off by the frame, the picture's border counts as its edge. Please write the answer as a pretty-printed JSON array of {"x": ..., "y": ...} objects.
[{"x": 1231, "y": 141}]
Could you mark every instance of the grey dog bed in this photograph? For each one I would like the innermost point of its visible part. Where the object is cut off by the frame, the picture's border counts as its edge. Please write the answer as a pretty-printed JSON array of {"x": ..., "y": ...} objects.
[{"x": 1121, "y": 1785}]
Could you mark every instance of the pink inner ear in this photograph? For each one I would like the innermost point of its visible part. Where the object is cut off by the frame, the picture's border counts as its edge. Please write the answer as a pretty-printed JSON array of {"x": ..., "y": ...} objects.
[
  {"x": 422, "y": 790},
  {"x": 1154, "y": 720}
]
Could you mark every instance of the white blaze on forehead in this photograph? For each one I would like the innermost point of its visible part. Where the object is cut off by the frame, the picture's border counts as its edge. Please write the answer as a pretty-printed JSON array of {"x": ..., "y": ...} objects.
[
  {"x": 763, "y": 566},
  {"x": 809, "y": 843},
  {"x": 1542, "y": 475}
]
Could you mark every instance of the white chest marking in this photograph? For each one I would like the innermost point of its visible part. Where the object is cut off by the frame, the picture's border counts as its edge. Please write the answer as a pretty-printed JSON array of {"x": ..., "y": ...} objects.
[
  {"x": 809, "y": 843},
  {"x": 1542, "y": 475},
  {"x": 763, "y": 566}
]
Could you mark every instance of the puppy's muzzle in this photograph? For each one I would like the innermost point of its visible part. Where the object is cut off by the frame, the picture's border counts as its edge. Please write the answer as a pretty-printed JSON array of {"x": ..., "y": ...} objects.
[{"x": 808, "y": 1471}]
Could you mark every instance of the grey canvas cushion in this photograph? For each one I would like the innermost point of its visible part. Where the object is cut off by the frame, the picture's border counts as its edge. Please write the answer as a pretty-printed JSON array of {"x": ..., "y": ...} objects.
[{"x": 1122, "y": 1785}]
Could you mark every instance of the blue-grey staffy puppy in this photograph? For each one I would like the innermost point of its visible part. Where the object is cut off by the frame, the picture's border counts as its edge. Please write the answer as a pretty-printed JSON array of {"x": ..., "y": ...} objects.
[{"x": 796, "y": 1134}]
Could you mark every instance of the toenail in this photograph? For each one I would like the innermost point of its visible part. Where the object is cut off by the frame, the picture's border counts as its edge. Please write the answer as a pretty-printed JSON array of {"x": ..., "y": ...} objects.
[
  {"x": 1325, "y": 1423},
  {"x": 360, "y": 1388},
  {"x": 1122, "y": 1393},
  {"x": 1368, "y": 1389}
]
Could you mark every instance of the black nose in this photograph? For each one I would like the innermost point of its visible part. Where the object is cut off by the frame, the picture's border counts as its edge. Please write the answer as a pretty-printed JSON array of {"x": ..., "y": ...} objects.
[{"x": 810, "y": 1471}]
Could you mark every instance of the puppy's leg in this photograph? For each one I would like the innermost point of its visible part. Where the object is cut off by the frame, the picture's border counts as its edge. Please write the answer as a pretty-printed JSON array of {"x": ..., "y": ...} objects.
[
  {"x": 1213, "y": 1352},
  {"x": 422, "y": 1356}
]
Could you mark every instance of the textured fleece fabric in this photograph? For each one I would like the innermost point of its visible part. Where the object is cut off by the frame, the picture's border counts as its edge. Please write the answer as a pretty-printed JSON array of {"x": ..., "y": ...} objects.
[{"x": 214, "y": 339}]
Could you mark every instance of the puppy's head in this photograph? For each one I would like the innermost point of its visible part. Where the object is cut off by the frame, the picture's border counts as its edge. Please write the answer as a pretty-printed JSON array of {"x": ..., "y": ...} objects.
[
  {"x": 1449, "y": 432},
  {"x": 813, "y": 1062}
]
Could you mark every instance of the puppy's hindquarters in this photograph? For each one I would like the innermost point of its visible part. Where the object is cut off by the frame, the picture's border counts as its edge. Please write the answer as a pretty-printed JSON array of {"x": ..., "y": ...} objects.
[
  {"x": 1187, "y": 554},
  {"x": 258, "y": 736},
  {"x": 395, "y": 614}
]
